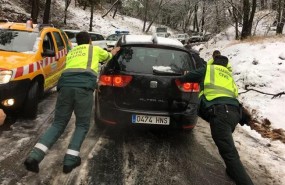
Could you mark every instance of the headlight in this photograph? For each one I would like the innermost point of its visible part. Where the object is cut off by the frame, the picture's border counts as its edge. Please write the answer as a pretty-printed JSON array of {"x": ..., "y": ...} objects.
[{"x": 5, "y": 76}]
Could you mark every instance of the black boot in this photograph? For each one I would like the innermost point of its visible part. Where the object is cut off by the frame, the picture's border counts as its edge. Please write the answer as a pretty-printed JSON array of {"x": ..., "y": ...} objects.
[
  {"x": 32, "y": 165},
  {"x": 69, "y": 168}
]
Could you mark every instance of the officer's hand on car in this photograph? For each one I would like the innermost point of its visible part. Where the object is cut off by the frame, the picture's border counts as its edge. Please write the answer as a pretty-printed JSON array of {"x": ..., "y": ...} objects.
[
  {"x": 115, "y": 50},
  {"x": 245, "y": 117}
]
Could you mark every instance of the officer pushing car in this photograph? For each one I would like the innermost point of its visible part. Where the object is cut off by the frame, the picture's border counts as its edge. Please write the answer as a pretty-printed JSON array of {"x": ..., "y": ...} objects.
[
  {"x": 75, "y": 94},
  {"x": 219, "y": 106}
]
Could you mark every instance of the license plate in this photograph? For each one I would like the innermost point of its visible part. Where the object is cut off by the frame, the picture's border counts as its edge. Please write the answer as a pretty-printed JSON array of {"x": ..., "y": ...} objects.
[{"x": 146, "y": 119}]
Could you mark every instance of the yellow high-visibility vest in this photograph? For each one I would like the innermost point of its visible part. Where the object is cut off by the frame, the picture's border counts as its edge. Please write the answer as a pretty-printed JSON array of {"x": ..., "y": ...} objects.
[
  {"x": 86, "y": 58},
  {"x": 218, "y": 82}
]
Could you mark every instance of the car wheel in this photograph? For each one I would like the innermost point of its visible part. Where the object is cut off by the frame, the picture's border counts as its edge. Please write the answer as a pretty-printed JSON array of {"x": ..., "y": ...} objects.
[
  {"x": 97, "y": 121},
  {"x": 30, "y": 107}
]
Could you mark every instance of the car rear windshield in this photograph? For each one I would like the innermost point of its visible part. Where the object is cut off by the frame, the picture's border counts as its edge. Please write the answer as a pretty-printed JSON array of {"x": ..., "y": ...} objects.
[
  {"x": 18, "y": 41},
  {"x": 148, "y": 59}
]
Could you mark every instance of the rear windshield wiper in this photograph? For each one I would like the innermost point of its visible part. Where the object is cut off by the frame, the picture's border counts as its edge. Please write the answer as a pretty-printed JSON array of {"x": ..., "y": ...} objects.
[{"x": 164, "y": 70}]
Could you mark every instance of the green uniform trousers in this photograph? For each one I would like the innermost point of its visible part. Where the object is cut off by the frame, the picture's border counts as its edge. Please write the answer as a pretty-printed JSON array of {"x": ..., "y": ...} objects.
[
  {"x": 222, "y": 124},
  {"x": 70, "y": 99}
]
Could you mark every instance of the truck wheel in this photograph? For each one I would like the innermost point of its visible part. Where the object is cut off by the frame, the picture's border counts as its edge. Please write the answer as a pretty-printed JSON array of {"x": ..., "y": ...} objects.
[{"x": 30, "y": 107}]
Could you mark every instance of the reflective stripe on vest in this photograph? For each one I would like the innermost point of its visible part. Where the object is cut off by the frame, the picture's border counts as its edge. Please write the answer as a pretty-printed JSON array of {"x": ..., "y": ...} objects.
[
  {"x": 88, "y": 65},
  {"x": 218, "y": 82}
]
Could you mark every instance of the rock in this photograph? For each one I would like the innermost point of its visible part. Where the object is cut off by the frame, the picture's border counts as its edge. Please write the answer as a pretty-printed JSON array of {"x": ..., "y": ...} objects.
[{"x": 282, "y": 56}]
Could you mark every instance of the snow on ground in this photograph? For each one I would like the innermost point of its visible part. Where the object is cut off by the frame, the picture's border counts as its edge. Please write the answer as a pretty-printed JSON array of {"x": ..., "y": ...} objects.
[{"x": 258, "y": 64}]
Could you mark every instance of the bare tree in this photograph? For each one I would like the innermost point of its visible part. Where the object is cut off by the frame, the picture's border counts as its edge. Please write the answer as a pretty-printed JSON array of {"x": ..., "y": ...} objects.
[
  {"x": 235, "y": 12},
  {"x": 154, "y": 17},
  {"x": 115, "y": 3},
  {"x": 195, "y": 20},
  {"x": 248, "y": 15},
  {"x": 35, "y": 10},
  {"x": 280, "y": 16},
  {"x": 203, "y": 15},
  {"x": 91, "y": 14},
  {"x": 258, "y": 19},
  {"x": 145, "y": 14},
  {"x": 67, "y": 3},
  {"x": 119, "y": 4},
  {"x": 47, "y": 12}
]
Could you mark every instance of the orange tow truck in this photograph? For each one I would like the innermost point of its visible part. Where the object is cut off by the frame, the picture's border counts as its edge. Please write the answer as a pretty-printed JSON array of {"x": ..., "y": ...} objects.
[{"x": 32, "y": 58}]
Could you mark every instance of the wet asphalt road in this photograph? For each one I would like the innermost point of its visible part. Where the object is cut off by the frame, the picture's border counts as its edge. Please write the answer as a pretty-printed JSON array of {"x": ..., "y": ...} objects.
[{"x": 110, "y": 156}]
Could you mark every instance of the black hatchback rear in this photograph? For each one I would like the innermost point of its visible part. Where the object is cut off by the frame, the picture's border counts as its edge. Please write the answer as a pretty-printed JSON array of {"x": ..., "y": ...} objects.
[{"x": 138, "y": 86}]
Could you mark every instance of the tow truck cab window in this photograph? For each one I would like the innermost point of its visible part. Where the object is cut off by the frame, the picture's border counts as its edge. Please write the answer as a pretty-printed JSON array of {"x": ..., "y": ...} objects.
[
  {"x": 65, "y": 38},
  {"x": 59, "y": 41},
  {"x": 48, "y": 43}
]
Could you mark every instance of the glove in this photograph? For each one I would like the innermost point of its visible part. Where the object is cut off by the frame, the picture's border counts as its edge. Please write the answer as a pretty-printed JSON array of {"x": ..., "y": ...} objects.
[{"x": 245, "y": 117}]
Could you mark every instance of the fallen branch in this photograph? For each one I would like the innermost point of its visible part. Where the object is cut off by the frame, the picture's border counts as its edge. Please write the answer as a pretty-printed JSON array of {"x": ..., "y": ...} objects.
[{"x": 273, "y": 95}]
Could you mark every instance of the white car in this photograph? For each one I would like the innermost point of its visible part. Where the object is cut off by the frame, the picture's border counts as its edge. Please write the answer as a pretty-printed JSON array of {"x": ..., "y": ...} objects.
[
  {"x": 97, "y": 39},
  {"x": 162, "y": 34},
  {"x": 183, "y": 38},
  {"x": 112, "y": 39}
]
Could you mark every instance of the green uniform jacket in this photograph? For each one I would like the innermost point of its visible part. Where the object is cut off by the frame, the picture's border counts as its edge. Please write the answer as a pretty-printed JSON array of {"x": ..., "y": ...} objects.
[
  {"x": 198, "y": 76},
  {"x": 84, "y": 79}
]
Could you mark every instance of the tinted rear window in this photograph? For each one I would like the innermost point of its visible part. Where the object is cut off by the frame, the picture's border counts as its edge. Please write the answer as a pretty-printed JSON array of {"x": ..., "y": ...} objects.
[{"x": 142, "y": 59}]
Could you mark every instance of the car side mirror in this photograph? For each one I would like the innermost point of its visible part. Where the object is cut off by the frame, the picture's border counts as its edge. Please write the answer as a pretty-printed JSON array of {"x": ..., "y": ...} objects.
[{"x": 48, "y": 53}]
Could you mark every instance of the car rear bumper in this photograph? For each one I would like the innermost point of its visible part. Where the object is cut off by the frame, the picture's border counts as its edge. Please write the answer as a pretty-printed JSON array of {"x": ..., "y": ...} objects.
[{"x": 112, "y": 115}]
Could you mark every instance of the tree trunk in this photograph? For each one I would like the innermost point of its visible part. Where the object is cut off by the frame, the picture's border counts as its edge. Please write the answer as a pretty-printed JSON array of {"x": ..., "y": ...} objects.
[
  {"x": 116, "y": 9},
  {"x": 203, "y": 16},
  {"x": 35, "y": 10},
  {"x": 253, "y": 9},
  {"x": 67, "y": 3},
  {"x": 145, "y": 15},
  {"x": 110, "y": 8},
  {"x": 47, "y": 12},
  {"x": 155, "y": 16},
  {"x": 217, "y": 27},
  {"x": 235, "y": 16},
  {"x": 85, "y": 5},
  {"x": 280, "y": 14},
  {"x": 262, "y": 4},
  {"x": 196, "y": 17},
  {"x": 91, "y": 15},
  {"x": 274, "y": 4},
  {"x": 247, "y": 18}
]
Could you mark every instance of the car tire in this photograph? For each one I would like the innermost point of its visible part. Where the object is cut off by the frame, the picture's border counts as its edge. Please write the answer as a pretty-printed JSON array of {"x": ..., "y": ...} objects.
[
  {"x": 99, "y": 124},
  {"x": 30, "y": 107}
]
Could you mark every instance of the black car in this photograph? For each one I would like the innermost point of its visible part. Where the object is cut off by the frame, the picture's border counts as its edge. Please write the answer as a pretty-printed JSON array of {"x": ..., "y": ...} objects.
[{"x": 139, "y": 85}]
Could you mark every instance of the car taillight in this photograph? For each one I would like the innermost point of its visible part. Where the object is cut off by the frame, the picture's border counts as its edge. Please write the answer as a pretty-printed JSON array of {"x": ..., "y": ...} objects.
[
  {"x": 105, "y": 80},
  {"x": 115, "y": 80},
  {"x": 187, "y": 86}
]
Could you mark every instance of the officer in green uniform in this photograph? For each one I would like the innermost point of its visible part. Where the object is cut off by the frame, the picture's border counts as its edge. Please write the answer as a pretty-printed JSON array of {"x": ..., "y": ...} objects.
[
  {"x": 219, "y": 107},
  {"x": 218, "y": 53},
  {"x": 75, "y": 94}
]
